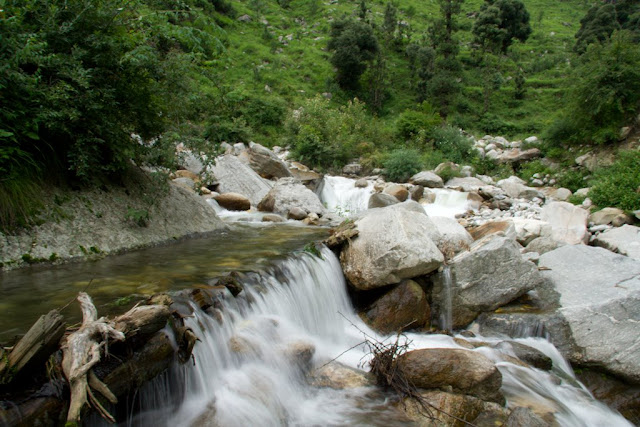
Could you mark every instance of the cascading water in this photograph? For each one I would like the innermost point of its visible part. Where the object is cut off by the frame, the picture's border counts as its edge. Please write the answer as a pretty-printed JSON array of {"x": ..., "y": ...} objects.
[
  {"x": 448, "y": 203},
  {"x": 446, "y": 311},
  {"x": 247, "y": 368},
  {"x": 342, "y": 197}
]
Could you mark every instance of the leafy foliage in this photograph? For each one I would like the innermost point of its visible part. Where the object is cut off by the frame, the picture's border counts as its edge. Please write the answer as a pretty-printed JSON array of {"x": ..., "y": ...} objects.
[
  {"x": 353, "y": 44},
  {"x": 618, "y": 184},
  {"x": 499, "y": 23},
  {"x": 604, "y": 18},
  {"x": 402, "y": 164}
]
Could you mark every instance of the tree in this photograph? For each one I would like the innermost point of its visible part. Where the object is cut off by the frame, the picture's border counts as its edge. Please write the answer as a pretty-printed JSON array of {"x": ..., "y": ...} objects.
[
  {"x": 605, "y": 94},
  {"x": 603, "y": 19},
  {"x": 354, "y": 45},
  {"x": 499, "y": 22}
]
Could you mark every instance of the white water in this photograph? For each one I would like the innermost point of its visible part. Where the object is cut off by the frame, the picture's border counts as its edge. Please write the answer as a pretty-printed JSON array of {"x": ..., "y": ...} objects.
[
  {"x": 341, "y": 196},
  {"x": 448, "y": 203},
  {"x": 305, "y": 301},
  {"x": 446, "y": 311}
]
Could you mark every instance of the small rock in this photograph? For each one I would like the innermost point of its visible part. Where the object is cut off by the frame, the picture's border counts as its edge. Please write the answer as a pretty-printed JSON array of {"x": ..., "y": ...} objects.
[
  {"x": 272, "y": 218},
  {"x": 361, "y": 183},
  {"x": 398, "y": 191},
  {"x": 380, "y": 200},
  {"x": 297, "y": 213},
  {"x": 233, "y": 201}
]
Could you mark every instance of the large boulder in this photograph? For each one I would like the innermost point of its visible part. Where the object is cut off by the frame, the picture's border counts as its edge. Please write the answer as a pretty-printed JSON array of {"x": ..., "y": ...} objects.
[
  {"x": 404, "y": 307},
  {"x": 490, "y": 275},
  {"x": 393, "y": 244},
  {"x": 568, "y": 222},
  {"x": 465, "y": 371},
  {"x": 606, "y": 216},
  {"x": 288, "y": 193},
  {"x": 266, "y": 163},
  {"x": 452, "y": 237},
  {"x": 236, "y": 177},
  {"x": 427, "y": 179},
  {"x": 517, "y": 188},
  {"x": 516, "y": 155},
  {"x": 599, "y": 297},
  {"x": 529, "y": 229},
  {"x": 624, "y": 240}
]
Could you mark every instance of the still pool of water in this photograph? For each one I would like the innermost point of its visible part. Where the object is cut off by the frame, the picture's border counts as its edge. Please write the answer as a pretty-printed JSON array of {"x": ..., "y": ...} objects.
[{"x": 28, "y": 293}]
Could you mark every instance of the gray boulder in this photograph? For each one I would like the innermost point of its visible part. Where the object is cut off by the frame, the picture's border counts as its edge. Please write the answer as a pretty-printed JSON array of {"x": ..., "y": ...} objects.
[
  {"x": 492, "y": 274},
  {"x": 427, "y": 179},
  {"x": 393, "y": 244},
  {"x": 624, "y": 240},
  {"x": 266, "y": 163},
  {"x": 568, "y": 222},
  {"x": 517, "y": 188},
  {"x": 467, "y": 184},
  {"x": 516, "y": 155},
  {"x": 289, "y": 193},
  {"x": 599, "y": 297},
  {"x": 236, "y": 177}
]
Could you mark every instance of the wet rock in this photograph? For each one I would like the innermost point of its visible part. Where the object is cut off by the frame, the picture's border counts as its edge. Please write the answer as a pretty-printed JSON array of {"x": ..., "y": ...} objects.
[
  {"x": 237, "y": 177},
  {"x": 599, "y": 296},
  {"x": 427, "y": 179},
  {"x": 297, "y": 213},
  {"x": 361, "y": 183},
  {"x": 416, "y": 192},
  {"x": 520, "y": 417},
  {"x": 614, "y": 393},
  {"x": 272, "y": 218},
  {"x": 464, "y": 371},
  {"x": 460, "y": 406},
  {"x": 233, "y": 201},
  {"x": 404, "y": 307},
  {"x": 568, "y": 222},
  {"x": 288, "y": 194},
  {"x": 339, "y": 376},
  {"x": 624, "y": 240},
  {"x": 266, "y": 163},
  {"x": 380, "y": 200},
  {"x": 489, "y": 276},
  {"x": 393, "y": 244},
  {"x": 492, "y": 415},
  {"x": 527, "y": 354},
  {"x": 300, "y": 353},
  {"x": 398, "y": 191}
]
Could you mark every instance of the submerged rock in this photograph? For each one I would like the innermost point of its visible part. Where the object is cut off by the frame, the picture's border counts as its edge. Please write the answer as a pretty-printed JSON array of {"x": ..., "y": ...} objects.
[
  {"x": 340, "y": 376},
  {"x": 393, "y": 244}
]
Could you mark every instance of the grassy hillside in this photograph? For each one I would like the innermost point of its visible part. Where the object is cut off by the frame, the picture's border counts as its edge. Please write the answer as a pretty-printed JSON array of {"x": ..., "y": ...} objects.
[{"x": 284, "y": 48}]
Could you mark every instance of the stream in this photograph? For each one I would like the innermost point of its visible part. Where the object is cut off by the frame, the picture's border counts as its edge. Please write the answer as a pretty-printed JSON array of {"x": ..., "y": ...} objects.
[{"x": 246, "y": 369}]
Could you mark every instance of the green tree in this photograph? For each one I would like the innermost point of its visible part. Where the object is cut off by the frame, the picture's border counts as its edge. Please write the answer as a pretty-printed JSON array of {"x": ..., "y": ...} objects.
[
  {"x": 499, "y": 22},
  {"x": 605, "y": 94},
  {"x": 354, "y": 45},
  {"x": 603, "y": 19}
]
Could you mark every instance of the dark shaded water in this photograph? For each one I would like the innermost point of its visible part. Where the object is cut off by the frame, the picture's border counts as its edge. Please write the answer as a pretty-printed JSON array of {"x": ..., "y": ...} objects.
[{"x": 116, "y": 282}]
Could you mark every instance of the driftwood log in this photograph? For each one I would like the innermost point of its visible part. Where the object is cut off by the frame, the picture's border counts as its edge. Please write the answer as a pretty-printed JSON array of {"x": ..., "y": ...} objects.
[
  {"x": 35, "y": 347},
  {"x": 107, "y": 356}
]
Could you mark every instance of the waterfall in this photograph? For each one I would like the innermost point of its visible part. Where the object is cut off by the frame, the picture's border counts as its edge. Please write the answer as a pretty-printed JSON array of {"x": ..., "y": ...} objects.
[
  {"x": 448, "y": 203},
  {"x": 341, "y": 196},
  {"x": 247, "y": 368},
  {"x": 446, "y": 311}
]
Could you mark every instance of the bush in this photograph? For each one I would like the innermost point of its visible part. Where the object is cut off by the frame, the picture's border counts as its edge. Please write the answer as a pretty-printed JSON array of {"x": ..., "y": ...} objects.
[
  {"x": 402, "y": 164},
  {"x": 411, "y": 122},
  {"x": 617, "y": 185},
  {"x": 454, "y": 146},
  {"x": 328, "y": 138}
]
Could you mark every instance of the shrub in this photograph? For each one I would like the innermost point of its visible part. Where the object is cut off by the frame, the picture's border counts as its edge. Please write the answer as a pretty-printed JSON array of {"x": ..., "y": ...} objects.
[
  {"x": 402, "y": 164},
  {"x": 617, "y": 185},
  {"x": 411, "y": 122},
  {"x": 454, "y": 146}
]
